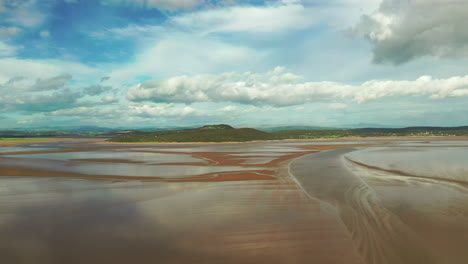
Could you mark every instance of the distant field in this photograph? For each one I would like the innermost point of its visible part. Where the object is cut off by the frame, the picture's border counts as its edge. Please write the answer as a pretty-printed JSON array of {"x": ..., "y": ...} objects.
[{"x": 20, "y": 141}]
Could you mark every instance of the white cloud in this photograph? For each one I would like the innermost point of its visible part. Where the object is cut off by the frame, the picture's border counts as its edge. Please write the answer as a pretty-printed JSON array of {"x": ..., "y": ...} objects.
[
  {"x": 41, "y": 69},
  {"x": 160, "y": 110},
  {"x": 130, "y": 31},
  {"x": 274, "y": 18},
  {"x": 7, "y": 50},
  {"x": 171, "y": 5},
  {"x": 404, "y": 30},
  {"x": 280, "y": 88},
  {"x": 88, "y": 111},
  {"x": 229, "y": 108},
  {"x": 96, "y": 89},
  {"x": 77, "y": 111},
  {"x": 42, "y": 85},
  {"x": 50, "y": 83},
  {"x": 109, "y": 99},
  {"x": 186, "y": 54}
]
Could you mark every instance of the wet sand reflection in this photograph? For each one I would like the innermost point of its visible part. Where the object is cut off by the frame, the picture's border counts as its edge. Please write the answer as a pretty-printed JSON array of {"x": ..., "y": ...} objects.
[
  {"x": 394, "y": 216},
  {"x": 254, "y": 215},
  {"x": 347, "y": 202}
]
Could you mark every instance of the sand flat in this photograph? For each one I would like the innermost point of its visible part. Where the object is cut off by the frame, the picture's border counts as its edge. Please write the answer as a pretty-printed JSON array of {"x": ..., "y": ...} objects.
[
  {"x": 261, "y": 202},
  {"x": 394, "y": 217},
  {"x": 241, "y": 213}
]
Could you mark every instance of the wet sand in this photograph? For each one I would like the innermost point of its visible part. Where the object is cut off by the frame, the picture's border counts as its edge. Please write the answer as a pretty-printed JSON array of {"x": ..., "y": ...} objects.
[
  {"x": 52, "y": 213},
  {"x": 258, "y": 202},
  {"x": 394, "y": 216}
]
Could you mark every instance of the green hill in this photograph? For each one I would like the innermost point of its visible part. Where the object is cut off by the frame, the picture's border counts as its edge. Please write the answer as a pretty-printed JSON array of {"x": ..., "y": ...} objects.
[
  {"x": 226, "y": 133},
  {"x": 211, "y": 133}
]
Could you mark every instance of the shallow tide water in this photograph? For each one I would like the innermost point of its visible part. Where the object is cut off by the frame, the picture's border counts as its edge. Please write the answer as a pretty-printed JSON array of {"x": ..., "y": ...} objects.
[{"x": 268, "y": 202}]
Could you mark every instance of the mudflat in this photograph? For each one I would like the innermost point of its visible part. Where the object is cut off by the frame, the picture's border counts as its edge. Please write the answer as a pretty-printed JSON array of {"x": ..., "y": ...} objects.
[{"x": 73, "y": 201}]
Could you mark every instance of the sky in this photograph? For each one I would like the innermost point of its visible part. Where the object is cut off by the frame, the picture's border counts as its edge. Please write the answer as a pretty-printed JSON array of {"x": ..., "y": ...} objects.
[{"x": 153, "y": 63}]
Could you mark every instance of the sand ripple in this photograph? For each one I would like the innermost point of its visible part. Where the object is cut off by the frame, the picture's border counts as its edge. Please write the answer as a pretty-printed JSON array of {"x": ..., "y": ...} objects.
[{"x": 379, "y": 235}]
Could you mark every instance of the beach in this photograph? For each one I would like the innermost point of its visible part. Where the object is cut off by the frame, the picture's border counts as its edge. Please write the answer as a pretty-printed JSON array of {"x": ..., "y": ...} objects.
[{"x": 342, "y": 201}]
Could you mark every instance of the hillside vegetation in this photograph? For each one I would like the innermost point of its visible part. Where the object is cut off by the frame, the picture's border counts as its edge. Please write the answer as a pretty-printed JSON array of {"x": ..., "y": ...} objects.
[
  {"x": 212, "y": 133},
  {"x": 226, "y": 133}
]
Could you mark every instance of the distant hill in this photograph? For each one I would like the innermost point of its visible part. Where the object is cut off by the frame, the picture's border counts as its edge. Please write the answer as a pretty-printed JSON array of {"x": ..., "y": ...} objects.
[
  {"x": 367, "y": 125},
  {"x": 409, "y": 129},
  {"x": 223, "y": 132},
  {"x": 210, "y": 133},
  {"x": 283, "y": 128}
]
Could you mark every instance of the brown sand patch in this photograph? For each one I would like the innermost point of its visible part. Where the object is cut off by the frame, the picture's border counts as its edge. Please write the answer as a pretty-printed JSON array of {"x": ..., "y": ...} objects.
[
  {"x": 183, "y": 164},
  {"x": 108, "y": 160},
  {"x": 227, "y": 159},
  {"x": 208, "y": 177},
  {"x": 231, "y": 176},
  {"x": 79, "y": 150},
  {"x": 22, "y": 172}
]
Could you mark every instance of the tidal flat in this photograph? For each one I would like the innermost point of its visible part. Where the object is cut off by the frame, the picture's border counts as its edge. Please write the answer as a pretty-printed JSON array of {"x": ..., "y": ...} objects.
[{"x": 360, "y": 201}]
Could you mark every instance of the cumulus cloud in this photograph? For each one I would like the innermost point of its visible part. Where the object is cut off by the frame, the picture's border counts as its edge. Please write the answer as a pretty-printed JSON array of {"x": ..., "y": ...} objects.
[
  {"x": 51, "y": 83},
  {"x": 401, "y": 31},
  {"x": 96, "y": 89},
  {"x": 37, "y": 87},
  {"x": 287, "y": 16},
  {"x": 33, "y": 102},
  {"x": 281, "y": 88},
  {"x": 171, "y": 5},
  {"x": 109, "y": 99},
  {"x": 160, "y": 110},
  {"x": 23, "y": 84},
  {"x": 41, "y": 69}
]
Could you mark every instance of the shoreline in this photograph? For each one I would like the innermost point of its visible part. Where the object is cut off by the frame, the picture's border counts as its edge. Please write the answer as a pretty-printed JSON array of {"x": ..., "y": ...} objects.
[
  {"x": 293, "y": 140},
  {"x": 11, "y": 142}
]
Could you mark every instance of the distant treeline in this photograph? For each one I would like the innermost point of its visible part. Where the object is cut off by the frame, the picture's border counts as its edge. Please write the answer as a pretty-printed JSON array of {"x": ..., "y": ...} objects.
[{"x": 224, "y": 133}]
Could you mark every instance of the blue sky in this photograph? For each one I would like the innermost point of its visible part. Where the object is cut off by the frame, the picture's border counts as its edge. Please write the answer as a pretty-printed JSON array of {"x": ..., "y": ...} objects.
[{"x": 192, "y": 62}]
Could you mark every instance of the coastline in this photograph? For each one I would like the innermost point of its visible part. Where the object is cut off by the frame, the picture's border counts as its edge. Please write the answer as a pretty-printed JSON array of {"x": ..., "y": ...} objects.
[
  {"x": 11, "y": 142},
  {"x": 296, "y": 140}
]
